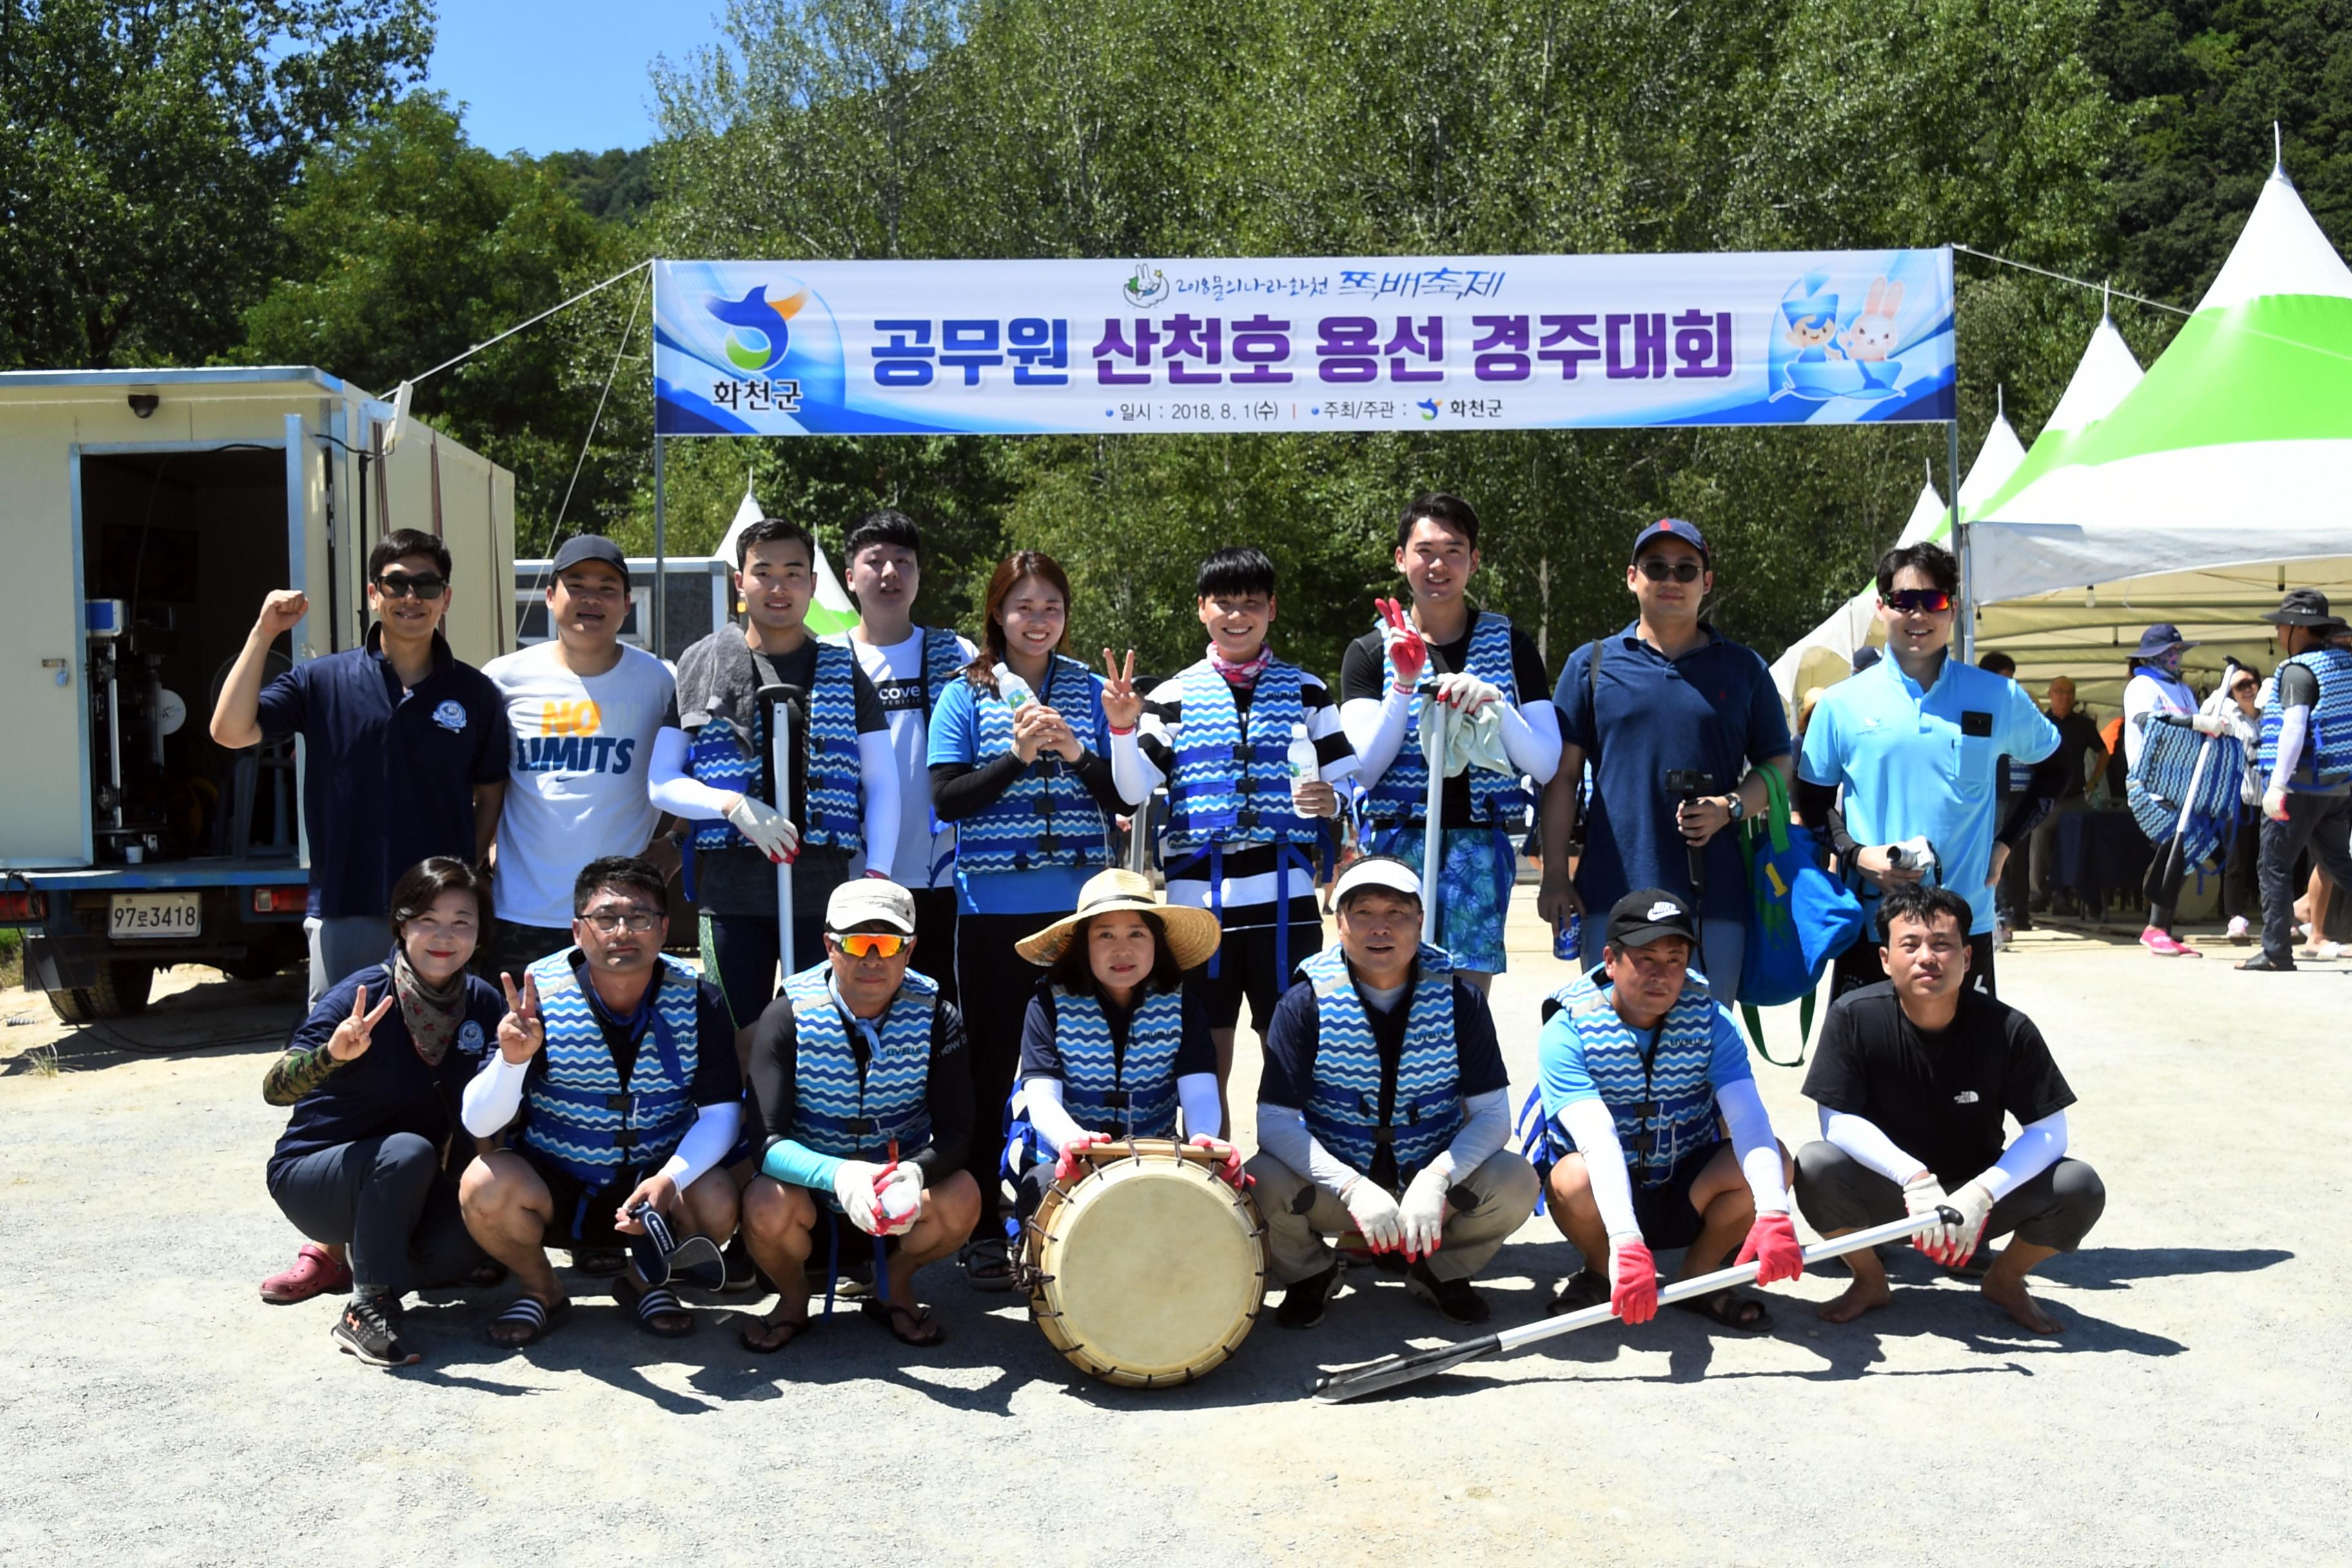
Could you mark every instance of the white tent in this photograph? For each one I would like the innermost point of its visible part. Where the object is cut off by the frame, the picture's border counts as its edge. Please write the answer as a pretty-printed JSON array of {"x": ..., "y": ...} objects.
[{"x": 832, "y": 610}]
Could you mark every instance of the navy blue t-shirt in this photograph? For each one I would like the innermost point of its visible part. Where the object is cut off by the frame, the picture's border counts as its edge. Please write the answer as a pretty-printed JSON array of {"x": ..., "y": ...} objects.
[
  {"x": 1714, "y": 712},
  {"x": 387, "y": 1088},
  {"x": 389, "y": 777}
]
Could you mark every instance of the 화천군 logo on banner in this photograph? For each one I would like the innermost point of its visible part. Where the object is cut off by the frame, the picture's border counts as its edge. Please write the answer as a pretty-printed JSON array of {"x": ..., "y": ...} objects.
[{"x": 757, "y": 330}]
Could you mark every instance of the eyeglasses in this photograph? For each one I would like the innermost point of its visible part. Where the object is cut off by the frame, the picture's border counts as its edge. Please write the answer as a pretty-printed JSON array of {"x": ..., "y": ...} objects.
[
  {"x": 400, "y": 586},
  {"x": 1680, "y": 571},
  {"x": 1919, "y": 602},
  {"x": 611, "y": 921},
  {"x": 870, "y": 944}
]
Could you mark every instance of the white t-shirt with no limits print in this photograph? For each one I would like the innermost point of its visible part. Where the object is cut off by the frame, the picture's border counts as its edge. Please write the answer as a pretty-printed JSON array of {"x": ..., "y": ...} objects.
[
  {"x": 576, "y": 780},
  {"x": 897, "y": 672}
]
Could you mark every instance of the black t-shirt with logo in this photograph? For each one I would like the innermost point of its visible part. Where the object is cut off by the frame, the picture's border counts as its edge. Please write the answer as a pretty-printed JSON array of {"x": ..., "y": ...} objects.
[{"x": 1939, "y": 1096}]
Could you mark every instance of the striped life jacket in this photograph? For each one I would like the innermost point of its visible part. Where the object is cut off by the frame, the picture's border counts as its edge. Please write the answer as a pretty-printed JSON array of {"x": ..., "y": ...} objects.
[
  {"x": 1231, "y": 782},
  {"x": 1343, "y": 1104},
  {"x": 576, "y": 1112},
  {"x": 1679, "y": 1083},
  {"x": 1135, "y": 1097},
  {"x": 1046, "y": 817},
  {"x": 838, "y": 1110},
  {"x": 827, "y": 814},
  {"x": 1401, "y": 798},
  {"x": 943, "y": 661},
  {"x": 2327, "y": 748}
]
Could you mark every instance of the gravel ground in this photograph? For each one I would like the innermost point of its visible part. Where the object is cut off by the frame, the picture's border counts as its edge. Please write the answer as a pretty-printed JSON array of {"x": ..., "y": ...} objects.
[{"x": 157, "y": 1412}]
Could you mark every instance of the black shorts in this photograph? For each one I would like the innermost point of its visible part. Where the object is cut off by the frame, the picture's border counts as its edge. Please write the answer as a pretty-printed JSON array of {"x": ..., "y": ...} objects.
[
  {"x": 584, "y": 1215},
  {"x": 1664, "y": 1212},
  {"x": 833, "y": 1236},
  {"x": 1245, "y": 969}
]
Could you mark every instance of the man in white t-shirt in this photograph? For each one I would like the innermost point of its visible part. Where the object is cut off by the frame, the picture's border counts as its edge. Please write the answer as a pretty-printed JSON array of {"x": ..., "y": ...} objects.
[
  {"x": 910, "y": 666},
  {"x": 583, "y": 708}
]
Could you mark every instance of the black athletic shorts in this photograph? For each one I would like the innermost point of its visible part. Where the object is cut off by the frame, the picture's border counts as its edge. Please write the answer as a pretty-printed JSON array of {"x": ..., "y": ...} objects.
[
  {"x": 584, "y": 1215},
  {"x": 1664, "y": 1212}
]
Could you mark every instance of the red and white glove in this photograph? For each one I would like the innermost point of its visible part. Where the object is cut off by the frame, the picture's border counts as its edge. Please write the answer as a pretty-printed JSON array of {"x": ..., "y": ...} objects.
[
  {"x": 1467, "y": 692},
  {"x": 1067, "y": 1168},
  {"x": 1408, "y": 653},
  {"x": 1375, "y": 1214},
  {"x": 1421, "y": 1215},
  {"x": 1923, "y": 1195},
  {"x": 1634, "y": 1279},
  {"x": 853, "y": 1184},
  {"x": 1771, "y": 1246},
  {"x": 898, "y": 1198},
  {"x": 769, "y": 831},
  {"x": 2274, "y": 804},
  {"x": 1975, "y": 1204},
  {"x": 1230, "y": 1171}
]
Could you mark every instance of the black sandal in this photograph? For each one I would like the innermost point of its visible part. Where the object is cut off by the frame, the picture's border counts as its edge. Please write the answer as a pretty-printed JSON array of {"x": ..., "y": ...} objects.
[
  {"x": 1585, "y": 1288},
  {"x": 769, "y": 1325},
  {"x": 599, "y": 1262},
  {"x": 540, "y": 1317},
  {"x": 890, "y": 1314},
  {"x": 987, "y": 1264},
  {"x": 1731, "y": 1309},
  {"x": 657, "y": 1302}
]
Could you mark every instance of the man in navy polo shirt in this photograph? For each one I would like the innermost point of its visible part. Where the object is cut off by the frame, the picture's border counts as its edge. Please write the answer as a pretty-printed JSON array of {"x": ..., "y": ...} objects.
[
  {"x": 1678, "y": 727},
  {"x": 406, "y": 748},
  {"x": 1916, "y": 744}
]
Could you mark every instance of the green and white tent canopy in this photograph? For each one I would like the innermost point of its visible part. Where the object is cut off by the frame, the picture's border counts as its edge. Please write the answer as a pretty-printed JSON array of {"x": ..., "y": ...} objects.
[{"x": 2222, "y": 478}]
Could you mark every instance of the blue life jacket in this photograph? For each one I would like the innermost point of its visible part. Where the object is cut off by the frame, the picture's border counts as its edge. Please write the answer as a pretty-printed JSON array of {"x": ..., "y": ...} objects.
[
  {"x": 827, "y": 814},
  {"x": 1343, "y": 1104},
  {"x": 850, "y": 1115},
  {"x": 943, "y": 661},
  {"x": 1401, "y": 798},
  {"x": 1232, "y": 787},
  {"x": 1134, "y": 1097},
  {"x": 2327, "y": 746},
  {"x": 1046, "y": 817},
  {"x": 1679, "y": 1085},
  {"x": 576, "y": 1112}
]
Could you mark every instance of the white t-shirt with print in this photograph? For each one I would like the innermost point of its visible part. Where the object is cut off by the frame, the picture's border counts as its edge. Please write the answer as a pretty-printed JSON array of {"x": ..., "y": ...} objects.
[{"x": 897, "y": 672}]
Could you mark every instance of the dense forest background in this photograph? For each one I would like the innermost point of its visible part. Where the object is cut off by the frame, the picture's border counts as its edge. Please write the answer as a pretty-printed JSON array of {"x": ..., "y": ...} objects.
[{"x": 263, "y": 181}]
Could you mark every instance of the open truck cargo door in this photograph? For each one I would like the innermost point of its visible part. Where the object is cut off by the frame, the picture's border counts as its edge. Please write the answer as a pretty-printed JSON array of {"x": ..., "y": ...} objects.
[{"x": 44, "y": 702}]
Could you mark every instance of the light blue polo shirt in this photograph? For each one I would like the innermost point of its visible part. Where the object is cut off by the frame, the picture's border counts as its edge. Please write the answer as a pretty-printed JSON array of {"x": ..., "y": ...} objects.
[{"x": 1916, "y": 761}]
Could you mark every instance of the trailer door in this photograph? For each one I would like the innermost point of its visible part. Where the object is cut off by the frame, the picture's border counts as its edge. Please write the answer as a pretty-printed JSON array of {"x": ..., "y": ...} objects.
[{"x": 44, "y": 695}]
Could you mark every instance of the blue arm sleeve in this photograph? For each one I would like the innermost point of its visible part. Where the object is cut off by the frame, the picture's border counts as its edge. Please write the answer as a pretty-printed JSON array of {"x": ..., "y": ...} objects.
[{"x": 790, "y": 1161}]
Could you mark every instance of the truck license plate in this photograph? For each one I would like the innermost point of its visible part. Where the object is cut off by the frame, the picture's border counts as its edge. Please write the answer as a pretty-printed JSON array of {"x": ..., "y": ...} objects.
[{"x": 156, "y": 915}]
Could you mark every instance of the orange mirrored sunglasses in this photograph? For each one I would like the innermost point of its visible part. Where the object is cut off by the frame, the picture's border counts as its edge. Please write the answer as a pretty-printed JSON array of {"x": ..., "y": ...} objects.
[{"x": 871, "y": 944}]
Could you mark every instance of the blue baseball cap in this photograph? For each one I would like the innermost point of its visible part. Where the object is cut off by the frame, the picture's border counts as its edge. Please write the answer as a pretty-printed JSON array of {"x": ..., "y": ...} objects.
[{"x": 1671, "y": 528}]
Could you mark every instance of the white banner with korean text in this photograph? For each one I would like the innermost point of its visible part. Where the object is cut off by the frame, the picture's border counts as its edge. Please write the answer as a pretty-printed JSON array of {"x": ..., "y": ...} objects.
[{"x": 821, "y": 348}]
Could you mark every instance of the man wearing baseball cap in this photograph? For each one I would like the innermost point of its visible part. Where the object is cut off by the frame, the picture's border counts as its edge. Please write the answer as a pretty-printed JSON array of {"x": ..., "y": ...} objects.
[
  {"x": 1637, "y": 1065},
  {"x": 1382, "y": 1110},
  {"x": 1678, "y": 725},
  {"x": 2306, "y": 760}
]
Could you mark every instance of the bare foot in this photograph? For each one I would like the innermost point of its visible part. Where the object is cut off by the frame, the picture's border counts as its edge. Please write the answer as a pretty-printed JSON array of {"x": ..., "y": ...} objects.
[
  {"x": 1860, "y": 1296},
  {"x": 2010, "y": 1296}
]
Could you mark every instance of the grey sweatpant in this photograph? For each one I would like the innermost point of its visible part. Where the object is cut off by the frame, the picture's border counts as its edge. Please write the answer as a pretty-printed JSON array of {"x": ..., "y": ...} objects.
[{"x": 2056, "y": 1209}]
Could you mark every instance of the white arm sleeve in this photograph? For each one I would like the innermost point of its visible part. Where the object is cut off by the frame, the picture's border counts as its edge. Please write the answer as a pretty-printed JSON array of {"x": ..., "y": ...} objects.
[
  {"x": 1196, "y": 1096},
  {"x": 878, "y": 770},
  {"x": 1130, "y": 770},
  {"x": 1752, "y": 1140},
  {"x": 2294, "y": 724},
  {"x": 493, "y": 1096},
  {"x": 667, "y": 785},
  {"x": 1860, "y": 1137},
  {"x": 705, "y": 1144},
  {"x": 1282, "y": 1132},
  {"x": 1531, "y": 737},
  {"x": 1484, "y": 1135},
  {"x": 1594, "y": 1131},
  {"x": 1376, "y": 730},
  {"x": 2039, "y": 1146},
  {"x": 1047, "y": 1114}
]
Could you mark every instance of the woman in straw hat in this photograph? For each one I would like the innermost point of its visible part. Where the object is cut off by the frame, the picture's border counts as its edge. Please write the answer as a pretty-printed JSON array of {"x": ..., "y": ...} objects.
[{"x": 1109, "y": 1050}]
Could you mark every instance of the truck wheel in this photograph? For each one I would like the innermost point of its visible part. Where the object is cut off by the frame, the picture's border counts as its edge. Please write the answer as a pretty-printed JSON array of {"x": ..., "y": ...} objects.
[
  {"x": 258, "y": 963},
  {"x": 71, "y": 1006},
  {"x": 121, "y": 988}
]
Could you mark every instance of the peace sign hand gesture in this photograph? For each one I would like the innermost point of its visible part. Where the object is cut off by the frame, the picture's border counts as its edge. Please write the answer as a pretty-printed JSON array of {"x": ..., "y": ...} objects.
[
  {"x": 355, "y": 1034},
  {"x": 520, "y": 1033},
  {"x": 1121, "y": 703},
  {"x": 1406, "y": 650}
]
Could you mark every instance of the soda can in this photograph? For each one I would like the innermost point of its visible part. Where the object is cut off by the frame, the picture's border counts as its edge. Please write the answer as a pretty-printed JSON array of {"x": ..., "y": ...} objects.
[{"x": 1568, "y": 942}]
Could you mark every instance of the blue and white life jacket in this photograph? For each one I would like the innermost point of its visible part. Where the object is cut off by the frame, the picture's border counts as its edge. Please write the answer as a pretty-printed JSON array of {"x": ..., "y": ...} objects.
[
  {"x": 1046, "y": 817},
  {"x": 1401, "y": 798},
  {"x": 726, "y": 757},
  {"x": 1343, "y": 1104},
  {"x": 944, "y": 662},
  {"x": 2327, "y": 746},
  {"x": 1679, "y": 1085},
  {"x": 1134, "y": 1095},
  {"x": 576, "y": 1111},
  {"x": 1230, "y": 785},
  {"x": 850, "y": 1115}
]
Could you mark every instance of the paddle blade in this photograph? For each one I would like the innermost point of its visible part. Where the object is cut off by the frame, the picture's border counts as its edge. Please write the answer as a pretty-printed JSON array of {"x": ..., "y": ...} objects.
[{"x": 1393, "y": 1371}]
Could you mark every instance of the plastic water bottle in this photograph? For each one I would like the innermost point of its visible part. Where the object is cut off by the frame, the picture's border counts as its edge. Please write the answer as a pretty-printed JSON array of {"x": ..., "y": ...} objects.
[
  {"x": 1012, "y": 689},
  {"x": 1568, "y": 942},
  {"x": 1304, "y": 764}
]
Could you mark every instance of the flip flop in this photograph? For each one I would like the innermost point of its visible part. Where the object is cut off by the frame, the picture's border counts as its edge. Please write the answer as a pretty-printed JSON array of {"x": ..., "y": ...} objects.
[
  {"x": 889, "y": 1314},
  {"x": 758, "y": 1325},
  {"x": 657, "y": 1302},
  {"x": 987, "y": 1264},
  {"x": 1725, "y": 1306},
  {"x": 1585, "y": 1288},
  {"x": 540, "y": 1317},
  {"x": 597, "y": 1262}
]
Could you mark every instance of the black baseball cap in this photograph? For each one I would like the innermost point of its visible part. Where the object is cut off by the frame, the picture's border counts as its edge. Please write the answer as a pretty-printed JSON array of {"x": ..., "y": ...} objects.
[
  {"x": 1671, "y": 528},
  {"x": 590, "y": 547},
  {"x": 1645, "y": 914}
]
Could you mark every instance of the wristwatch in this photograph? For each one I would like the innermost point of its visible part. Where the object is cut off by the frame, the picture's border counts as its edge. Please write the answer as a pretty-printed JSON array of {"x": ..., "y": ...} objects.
[{"x": 1738, "y": 807}]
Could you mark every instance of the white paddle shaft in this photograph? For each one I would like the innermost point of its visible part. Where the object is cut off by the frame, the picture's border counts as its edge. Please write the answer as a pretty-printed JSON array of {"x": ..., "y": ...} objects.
[{"x": 1434, "y": 740}]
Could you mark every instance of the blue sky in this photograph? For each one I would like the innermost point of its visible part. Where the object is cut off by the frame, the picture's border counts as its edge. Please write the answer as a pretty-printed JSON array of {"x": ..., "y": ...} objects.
[{"x": 548, "y": 76}]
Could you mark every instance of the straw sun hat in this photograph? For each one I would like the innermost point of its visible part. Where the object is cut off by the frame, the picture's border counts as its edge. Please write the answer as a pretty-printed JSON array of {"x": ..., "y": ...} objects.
[{"x": 1192, "y": 934}]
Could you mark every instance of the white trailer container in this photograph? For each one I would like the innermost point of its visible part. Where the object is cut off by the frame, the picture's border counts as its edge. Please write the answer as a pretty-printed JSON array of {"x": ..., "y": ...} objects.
[{"x": 147, "y": 512}]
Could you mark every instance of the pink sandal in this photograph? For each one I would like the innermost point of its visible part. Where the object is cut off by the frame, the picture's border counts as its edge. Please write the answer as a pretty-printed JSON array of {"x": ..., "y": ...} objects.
[{"x": 315, "y": 1273}]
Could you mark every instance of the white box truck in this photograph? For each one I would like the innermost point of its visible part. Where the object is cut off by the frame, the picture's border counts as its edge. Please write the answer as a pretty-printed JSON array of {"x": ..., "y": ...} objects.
[{"x": 145, "y": 513}]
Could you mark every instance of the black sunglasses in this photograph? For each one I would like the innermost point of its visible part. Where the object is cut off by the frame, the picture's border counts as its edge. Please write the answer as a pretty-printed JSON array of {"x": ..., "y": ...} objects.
[
  {"x": 400, "y": 586},
  {"x": 1680, "y": 571},
  {"x": 1920, "y": 601}
]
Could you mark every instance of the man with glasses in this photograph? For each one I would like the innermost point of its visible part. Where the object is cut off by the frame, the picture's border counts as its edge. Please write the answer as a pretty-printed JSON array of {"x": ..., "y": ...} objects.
[
  {"x": 1916, "y": 744},
  {"x": 405, "y": 747},
  {"x": 585, "y": 708},
  {"x": 623, "y": 1065},
  {"x": 1679, "y": 725}
]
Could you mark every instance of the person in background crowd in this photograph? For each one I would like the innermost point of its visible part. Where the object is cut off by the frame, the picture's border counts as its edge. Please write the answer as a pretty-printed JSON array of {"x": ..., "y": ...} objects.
[
  {"x": 1914, "y": 1075},
  {"x": 583, "y": 708},
  {"x": 2239, "y": 700},
  {"x": 1245, "y": 837},
  {"x": 1914, "y": 742},
  {"x": 1383, "y": 1111},
  {"x": 1020, "y": 762},
  {"x": 2010, "y": 898},
  {"x": 1481, "y": 661},
  {"x": 707, "y": 768},
  {"x": 1642, "y": 1075},
  {"x": 866, "y": 1117},
  {"x": 2079, "y": 758},
  {"x": 910, "y": 666},
  {"x": 404, "y": 748},
  {"x": 1679, "y": 724},
  {"x": 2305, "y": 760},
  {"x": 2155, "y": 694},
  {"x": 373, "y": 1075}
]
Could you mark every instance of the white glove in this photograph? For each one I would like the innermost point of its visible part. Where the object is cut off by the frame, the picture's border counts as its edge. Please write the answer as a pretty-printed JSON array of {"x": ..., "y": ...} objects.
[
  {"x": 1923, "y": 1194},
  {"x": 766, "y": 828},
  {"x": 1975, "y": 1204},
  {"x": 1468, "y": 692},
  {"x": 899, "y": 1198},
  {"x": 1421, "y": 1217},
  {"x": 1375, "y": 1214},
  {"x": 853, "y": 1183},
  {"x": 2213, "y": 724}
]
